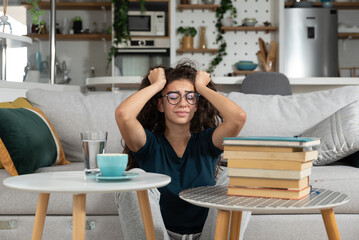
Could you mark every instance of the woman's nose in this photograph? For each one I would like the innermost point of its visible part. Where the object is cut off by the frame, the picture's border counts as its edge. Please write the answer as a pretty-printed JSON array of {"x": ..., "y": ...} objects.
[{"x": 182, "y": 101}]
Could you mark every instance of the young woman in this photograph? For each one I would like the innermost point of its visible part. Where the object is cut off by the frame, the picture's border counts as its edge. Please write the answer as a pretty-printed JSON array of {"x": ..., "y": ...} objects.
[{"x": 171, "y": 126}]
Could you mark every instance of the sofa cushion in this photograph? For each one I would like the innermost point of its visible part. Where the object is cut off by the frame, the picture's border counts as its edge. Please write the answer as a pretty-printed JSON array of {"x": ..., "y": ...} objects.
[
  {"x": 27, "y": 141},
  {"x": 274, "y": 115},
  {"x": 339, "y": 133},
  {"x": 17, "y": 103},
  {"x": 73, "y": 112}
]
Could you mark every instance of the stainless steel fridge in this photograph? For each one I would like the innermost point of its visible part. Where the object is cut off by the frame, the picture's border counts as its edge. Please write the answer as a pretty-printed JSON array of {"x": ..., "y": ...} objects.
[{"x": 310, "y": 42}]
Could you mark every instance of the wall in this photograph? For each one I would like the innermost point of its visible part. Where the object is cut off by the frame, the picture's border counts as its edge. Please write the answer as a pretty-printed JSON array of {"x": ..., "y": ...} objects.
[{"x": 240, "y": 45}]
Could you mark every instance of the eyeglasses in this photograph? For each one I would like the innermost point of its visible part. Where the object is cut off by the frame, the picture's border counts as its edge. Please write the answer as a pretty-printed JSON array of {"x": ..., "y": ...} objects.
[{"x": 174, "y": 98}]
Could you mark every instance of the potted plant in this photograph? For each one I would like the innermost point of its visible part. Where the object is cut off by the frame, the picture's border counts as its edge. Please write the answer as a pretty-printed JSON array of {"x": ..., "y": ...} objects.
[
  {"x": 38, "y": 24},
  {"x": 187, "y": 39}
]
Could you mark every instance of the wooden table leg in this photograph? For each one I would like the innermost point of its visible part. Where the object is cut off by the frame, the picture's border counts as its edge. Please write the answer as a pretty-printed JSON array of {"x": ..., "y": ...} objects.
[
  {"x": 40, "y": 216},
  {"x": 235, "y": 225},
  {"x": 222, "y": 225},
  {"x": 79, "y": 217},
  {"x": 330, "y": 224},
  {"x": 146, "y": 214}
]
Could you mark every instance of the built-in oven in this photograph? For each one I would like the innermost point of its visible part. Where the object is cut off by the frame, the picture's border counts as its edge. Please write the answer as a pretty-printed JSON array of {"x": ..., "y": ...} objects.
[{"x": 140, "y": 54}]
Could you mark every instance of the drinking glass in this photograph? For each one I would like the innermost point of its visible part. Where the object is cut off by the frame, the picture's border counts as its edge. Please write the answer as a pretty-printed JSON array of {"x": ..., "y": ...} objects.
[{"x": 93, "y": 143}]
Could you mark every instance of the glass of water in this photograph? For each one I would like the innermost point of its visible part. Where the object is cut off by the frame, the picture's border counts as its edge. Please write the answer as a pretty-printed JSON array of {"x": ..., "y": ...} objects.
[{"x": 93, "y": 143}]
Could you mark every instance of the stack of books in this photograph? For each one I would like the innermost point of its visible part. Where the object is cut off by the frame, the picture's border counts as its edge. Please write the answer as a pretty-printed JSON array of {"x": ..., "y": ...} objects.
[{"x": 272, "y": 167}]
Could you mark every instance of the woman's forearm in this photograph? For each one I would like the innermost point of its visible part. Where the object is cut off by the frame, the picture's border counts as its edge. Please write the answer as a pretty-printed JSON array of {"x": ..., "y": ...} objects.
[
  {"x": 229, "y": 110},
  {"x": 131, "y": 107}
]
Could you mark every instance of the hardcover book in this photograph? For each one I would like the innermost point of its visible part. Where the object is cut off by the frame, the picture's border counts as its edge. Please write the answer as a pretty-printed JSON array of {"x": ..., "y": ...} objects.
[
  {"x": 272, "y": 141},
  {"x": 262, "y": 148},
  {"x": 268, "y": 164},
  {"x": 268, "y": 192},
  {"x": 269, "y": 183},
  {"x": 287, "y": 156},
  {"x": 269, "y": 173}
]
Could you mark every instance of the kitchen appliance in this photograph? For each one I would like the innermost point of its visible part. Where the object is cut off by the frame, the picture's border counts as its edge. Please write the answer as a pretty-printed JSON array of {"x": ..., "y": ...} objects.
[
  {"x": 140, "y": 54},
  {"x": 148, "y": 23},
  {"x": 310, "y": 42}
]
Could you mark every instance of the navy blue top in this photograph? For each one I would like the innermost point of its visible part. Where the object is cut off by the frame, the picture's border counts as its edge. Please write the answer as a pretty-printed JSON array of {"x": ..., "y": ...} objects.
[{"x": 196, "y": 168}]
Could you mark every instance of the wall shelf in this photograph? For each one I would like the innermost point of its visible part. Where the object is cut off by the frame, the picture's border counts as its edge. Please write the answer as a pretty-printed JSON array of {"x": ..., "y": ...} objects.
[
  {"x": 182, "y": 7},
  {"x": 208, "y": 50},
  {"x": 339, "y": 5},
  {"x": 238, "y": 72},
  {"x": 249, "y": 28},
  {"x": 73, "y": 37},
  {"x": 72, "y": 5},
  {"x": 348, "y": 35}
]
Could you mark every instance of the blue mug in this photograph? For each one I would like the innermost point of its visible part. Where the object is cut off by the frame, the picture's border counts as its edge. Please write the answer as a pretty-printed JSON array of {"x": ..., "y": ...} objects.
[{"x": 112, "y": 164}]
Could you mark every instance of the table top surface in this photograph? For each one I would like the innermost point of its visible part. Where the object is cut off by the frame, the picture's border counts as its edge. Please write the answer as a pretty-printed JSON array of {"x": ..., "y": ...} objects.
[
  {"x": 77, "y": 182},
  {"x": 216, "y": 197}
]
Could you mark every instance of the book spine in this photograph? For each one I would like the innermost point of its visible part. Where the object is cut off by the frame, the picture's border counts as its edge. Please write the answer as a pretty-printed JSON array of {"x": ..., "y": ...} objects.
[
  {"x": 293, "y": 156},
  {"x": 264, "y": 173}
]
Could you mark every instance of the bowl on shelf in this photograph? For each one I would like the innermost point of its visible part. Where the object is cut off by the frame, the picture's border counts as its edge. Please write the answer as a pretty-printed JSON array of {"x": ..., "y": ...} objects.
[
  {"x": 249, "y": 21},
  {"x": 246, "y": 65}
]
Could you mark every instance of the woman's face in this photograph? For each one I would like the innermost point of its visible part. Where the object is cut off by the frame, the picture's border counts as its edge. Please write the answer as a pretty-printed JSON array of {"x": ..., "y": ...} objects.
[{"x": 183, "y": 111}]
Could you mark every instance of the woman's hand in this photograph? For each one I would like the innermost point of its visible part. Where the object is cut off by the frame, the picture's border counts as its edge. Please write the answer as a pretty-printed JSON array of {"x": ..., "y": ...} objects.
[
  {"x": 202, "y": 79},
  {"x": 157, "y": 76}
]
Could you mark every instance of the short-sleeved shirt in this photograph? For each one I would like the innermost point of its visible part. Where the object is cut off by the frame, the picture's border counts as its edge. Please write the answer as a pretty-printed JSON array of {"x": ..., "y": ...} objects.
[{"x": 196, "y": 168}]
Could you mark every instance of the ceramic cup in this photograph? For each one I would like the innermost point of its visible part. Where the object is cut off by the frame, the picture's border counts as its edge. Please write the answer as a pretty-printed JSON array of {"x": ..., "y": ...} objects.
[{"x": 112, "y": 164}]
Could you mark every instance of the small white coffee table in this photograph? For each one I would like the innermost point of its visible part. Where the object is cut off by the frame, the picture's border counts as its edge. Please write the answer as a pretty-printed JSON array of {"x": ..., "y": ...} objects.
[
  {"x": 74, "y": 182},
  {"x": 216, "y": 197}
]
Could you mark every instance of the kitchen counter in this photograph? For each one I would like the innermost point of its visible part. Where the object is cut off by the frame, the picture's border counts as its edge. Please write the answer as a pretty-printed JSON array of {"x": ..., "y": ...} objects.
[{"x": 227, "y": 84}]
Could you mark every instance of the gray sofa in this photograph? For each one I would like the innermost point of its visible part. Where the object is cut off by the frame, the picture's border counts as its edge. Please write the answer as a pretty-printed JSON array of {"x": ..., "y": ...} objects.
[{"x": 325, "y": 114}]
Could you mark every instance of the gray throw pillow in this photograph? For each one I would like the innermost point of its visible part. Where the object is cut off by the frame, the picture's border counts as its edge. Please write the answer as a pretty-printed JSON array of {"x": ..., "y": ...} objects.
[
  {"x": 274, "y": 115},
  {"x": 339, "y": 134},
  {"x": 73, "y": 112}
]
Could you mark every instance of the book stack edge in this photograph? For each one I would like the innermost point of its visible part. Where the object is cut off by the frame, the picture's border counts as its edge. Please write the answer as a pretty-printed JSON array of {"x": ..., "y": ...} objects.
[{"x": 270, "y": 167}]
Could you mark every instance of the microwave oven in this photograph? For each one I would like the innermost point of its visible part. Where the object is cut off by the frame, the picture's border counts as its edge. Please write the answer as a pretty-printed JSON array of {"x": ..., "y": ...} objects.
[{"x": 148, "y": 23}]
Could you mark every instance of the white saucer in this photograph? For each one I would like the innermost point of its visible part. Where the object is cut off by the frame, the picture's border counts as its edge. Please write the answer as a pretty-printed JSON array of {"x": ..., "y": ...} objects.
[{"x": 100, "y": 177}]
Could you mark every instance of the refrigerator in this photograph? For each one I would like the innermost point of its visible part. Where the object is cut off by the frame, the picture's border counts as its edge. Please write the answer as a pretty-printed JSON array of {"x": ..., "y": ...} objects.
[{"x": 310, "y": 42}]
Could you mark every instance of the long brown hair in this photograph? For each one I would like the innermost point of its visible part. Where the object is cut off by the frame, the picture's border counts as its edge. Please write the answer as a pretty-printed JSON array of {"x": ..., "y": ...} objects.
[{"x": 205, "y": 117}]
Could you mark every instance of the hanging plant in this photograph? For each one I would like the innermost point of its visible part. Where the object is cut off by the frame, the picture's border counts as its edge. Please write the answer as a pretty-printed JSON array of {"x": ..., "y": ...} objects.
[
  {"x": 224, "y": 7},
  {"x": 120, "y": 25}
]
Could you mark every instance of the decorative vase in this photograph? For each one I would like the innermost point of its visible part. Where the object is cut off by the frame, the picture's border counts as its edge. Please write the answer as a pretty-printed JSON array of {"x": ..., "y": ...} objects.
[
  {"x": 187, "y": 42},
  {"x": 203, "y": 42}
]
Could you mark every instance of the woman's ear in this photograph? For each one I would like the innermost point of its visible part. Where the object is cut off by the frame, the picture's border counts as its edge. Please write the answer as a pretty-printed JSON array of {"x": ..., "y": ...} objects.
[{"x": 160, "y": 106}]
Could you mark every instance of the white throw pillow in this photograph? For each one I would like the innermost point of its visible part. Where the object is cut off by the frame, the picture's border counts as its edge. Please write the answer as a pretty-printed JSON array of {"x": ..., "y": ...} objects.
[
  {"x": 274, "y": 115},
  {"x": 73, "y": 112},
  {"x": 339, "y": 134}
]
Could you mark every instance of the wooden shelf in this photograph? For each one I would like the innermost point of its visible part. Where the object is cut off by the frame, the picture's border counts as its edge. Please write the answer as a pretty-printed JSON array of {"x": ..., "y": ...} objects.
[
  {"x": 339, "y": 5},
  {"x": 182, "y": 7},
  {"x": 73, "y": 37},
  {"x": 194, "y": 50},
  {"x": 237, "y": 72},
  {"x": 72, "y": 5},
  {"x": 348, "y": 35},
  {"x": 248, "y": 28}
]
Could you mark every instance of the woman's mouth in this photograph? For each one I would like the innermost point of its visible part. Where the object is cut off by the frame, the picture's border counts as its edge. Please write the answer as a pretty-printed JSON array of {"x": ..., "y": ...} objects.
[{"x": 181, "y": 113}]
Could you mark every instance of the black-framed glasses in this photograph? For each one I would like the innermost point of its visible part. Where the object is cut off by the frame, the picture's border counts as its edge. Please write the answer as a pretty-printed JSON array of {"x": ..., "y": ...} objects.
[{"x": 174, "y": 98}]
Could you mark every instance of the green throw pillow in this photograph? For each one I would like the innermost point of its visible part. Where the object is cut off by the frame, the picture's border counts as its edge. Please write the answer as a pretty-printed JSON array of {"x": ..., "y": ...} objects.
[{"x": 28, "y": 141}]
